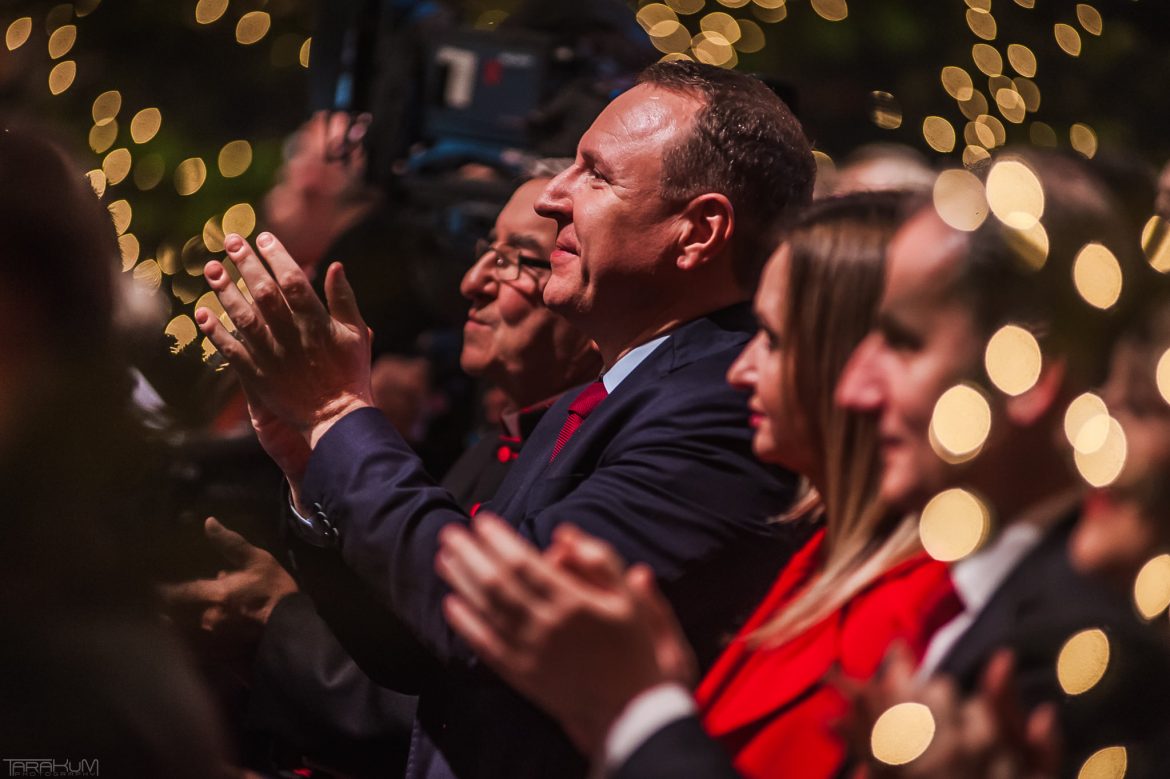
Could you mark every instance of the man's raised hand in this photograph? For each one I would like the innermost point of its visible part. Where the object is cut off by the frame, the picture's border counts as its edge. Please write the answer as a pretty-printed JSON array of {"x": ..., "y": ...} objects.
[{"x": 306, "y": 365}]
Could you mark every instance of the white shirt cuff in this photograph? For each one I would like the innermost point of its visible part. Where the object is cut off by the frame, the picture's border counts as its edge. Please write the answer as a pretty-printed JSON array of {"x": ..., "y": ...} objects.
[{"x": 645, "y": 715}]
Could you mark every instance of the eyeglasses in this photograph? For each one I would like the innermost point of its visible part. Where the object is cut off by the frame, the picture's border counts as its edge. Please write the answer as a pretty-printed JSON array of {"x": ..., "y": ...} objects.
[{"x": 506, "y": 261}]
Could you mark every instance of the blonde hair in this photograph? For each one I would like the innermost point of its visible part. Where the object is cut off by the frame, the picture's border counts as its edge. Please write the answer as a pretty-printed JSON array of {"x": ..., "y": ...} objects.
[{"x": 835, "y": 273}]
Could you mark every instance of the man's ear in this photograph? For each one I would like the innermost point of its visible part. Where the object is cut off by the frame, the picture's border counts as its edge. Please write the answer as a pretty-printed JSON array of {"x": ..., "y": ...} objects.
[
  {"x": 708, "y": 222},
  {"x": 1027, "y": 408}
]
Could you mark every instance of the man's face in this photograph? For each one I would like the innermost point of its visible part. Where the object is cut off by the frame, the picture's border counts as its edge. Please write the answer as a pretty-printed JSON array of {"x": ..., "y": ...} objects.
[
  {"x": 925, "y": 342},
  {"x": 614, "y": 230},
  {"x": 509, "y": 332}
]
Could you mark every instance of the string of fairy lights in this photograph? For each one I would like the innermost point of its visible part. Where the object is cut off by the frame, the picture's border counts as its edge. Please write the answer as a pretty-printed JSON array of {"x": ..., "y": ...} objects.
[{"x": 995, "y": 96}]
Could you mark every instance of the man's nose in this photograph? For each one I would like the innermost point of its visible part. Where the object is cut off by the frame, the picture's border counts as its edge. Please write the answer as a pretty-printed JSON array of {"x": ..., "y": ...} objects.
[
  {"x": 860, "y": 387},
  {"x": 554, "y": 200},
  {"x": 478, "y": 281}
]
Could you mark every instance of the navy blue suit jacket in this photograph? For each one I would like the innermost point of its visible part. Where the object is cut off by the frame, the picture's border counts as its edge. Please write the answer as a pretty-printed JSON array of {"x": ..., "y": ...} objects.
[{"x": 662, "y": 469}]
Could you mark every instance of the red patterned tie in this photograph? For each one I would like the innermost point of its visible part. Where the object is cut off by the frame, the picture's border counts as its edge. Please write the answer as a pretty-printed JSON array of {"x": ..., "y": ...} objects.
[{"x": 580, "y": 408}]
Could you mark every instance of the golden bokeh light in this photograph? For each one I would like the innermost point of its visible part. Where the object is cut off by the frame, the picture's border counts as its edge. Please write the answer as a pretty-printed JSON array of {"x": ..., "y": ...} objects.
[
  {"x": 122, "y": 214},
  {"x": 734, "y": 3},
  {"x": 653, "y": 14},
  {"x": 106, "y": 106},
  {"x": 979, "y": 134},
  {"x": 240, "y": 218},
  {"x": 1068, "y": 39},
  {"x": 148, "y": 274},
  {"x": 770, "y": 15},
  {"x": 304, "y": 53},
  {"x": 712, "y": 48},
  {"x": 1100, "y": 466},
  {"x": 209, "y": 301},
  {"x": 210, "y": 352},
  {"x": 1042, "y": 134},
  {"x": 116, "y": 165},
  {"x": 1151, "y": 588},
  {"x": 1156, "y": 243},
  {"x": 1083, "y": 409},
  {"x": 186, "y": 288},
  {"x": 234, "y": 158},
  {"x": 670, "y": 36},
  {"x": 208, "y": 11},
  {"x": 957, "y": 82},
  {"x": 832, "y": 10},
  {"x": 1014, "y": 194},
  {"x": 1090, "y": 19},
  {"x": 979, "y": 5},
  {"x": 62, "y": 40},
  {"x": 1162, "y": 375},
  {"x": 58, "y": 15},
  {"x": 687, "y": 6},
  {"x": 998, "y": 132},
  {"x": 194, "y": 256},
  {"x": 18, "y": 33},
  {"x": 953, "y": 525},
  {"x": 982, "y": 23},
  {"x": 213, "y": 234},
  {"x": 902, "y": 733},
  {"x": 1107, "y": 763},
  {"x": 1029, "y": 92},
  {"x": 1030, "y": 245},
  {"x": 826, "y": 167},
  {"x": 1026, "y": 3},
  {"x": 1083, "y": 139},
  {"x": 168, "y": 260},
  {"x": 1022, "y": 59},
  {"x": 885, "y": 110},
  {"x": 721, "y": 24},
  {"x": 939, "y": 134},
  {"x": 97, "y": 180},
  {"x": 84, "y": 8},
  {"x": 1013, "y": 360},
  {"x": 960, "y": 423},
  {"x": 102, "y": 136},
  {"x": 987, "y": 59},
  {"x": 751, "y": 38},
  {"x": 145, "y": 125},
  {"x": 190, "y": 175},
  {"x": 149, "y": 172},
  {"x": 1011, "y": 105},
  {"x": 252, "y": 27},
  {"x": 130, "y": 249},
  {"x": 676, "y": 56},
  {"x": 960, "y": 200},
  {"x": 1082, "y": 661},
  {"x": 61, "y": 76},
  {"x": 973, "y": 155},
  {"x": 183, "y": 331},
  {"x": 974, "y": 107},
  {"x": 1097, "y": 276}
]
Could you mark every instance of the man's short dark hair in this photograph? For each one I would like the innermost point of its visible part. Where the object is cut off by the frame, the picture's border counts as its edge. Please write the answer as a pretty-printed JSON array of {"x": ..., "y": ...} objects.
[{"x": 747, "y": 145}]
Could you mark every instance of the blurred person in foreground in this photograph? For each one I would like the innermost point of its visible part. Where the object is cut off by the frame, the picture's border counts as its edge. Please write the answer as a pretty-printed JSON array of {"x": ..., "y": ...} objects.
[
  {"x": 306, "y": 690},
  {"x": 948, "y": 291},
  {"x": 85, "y": 673},
  {"x": 656, "y": 255},
  {"x": 862, "y": 581}
]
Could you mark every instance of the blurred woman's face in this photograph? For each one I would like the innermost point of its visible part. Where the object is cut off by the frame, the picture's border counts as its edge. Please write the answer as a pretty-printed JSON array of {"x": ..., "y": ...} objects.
[
  {"x": 1128, "y": 522},
  {"x": 764, "y": 369}
]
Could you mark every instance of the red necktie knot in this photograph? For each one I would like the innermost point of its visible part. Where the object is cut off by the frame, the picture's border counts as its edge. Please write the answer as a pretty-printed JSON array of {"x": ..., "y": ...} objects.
[{"x": 581, "y": 407}]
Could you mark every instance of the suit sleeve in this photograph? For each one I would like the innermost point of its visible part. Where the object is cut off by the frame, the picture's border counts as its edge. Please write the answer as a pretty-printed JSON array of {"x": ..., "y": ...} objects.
[
  {"x": 679, "y": 750},
  {"x": 677, "y": 488}
]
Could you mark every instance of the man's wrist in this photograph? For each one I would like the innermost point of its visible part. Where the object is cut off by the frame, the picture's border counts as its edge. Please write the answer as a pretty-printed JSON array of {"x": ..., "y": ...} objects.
[
  {"x": 331, "y": 416},
  {"x": 645, "y": 714}
]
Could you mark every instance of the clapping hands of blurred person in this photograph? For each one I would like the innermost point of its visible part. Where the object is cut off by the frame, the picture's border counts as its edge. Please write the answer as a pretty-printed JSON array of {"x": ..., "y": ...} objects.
[
  {"x": 302, "y": 366},
  {"x": 986, "y": 734},
  {"x": 572, "y": 629},
  {"x": 320, "y": 190},
  {"x": 240, "y": 599}
]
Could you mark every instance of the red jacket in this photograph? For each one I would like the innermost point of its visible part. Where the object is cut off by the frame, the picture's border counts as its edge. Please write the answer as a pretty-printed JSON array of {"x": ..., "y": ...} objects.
[{"x": 770, "y": 708}]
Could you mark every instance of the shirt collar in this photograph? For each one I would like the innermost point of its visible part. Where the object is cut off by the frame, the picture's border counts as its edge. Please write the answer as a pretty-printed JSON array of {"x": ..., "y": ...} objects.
[
  {"x": 631, "y": 360},
  {"x": 978, "y": 576},
  {"x": 520, "y": 424}
]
